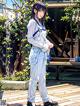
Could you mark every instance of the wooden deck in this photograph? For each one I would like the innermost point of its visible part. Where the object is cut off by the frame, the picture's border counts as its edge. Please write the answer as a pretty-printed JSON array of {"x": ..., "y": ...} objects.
[
  {"x": 63, "y": 63},
  {"x": 66, "y": 94}
]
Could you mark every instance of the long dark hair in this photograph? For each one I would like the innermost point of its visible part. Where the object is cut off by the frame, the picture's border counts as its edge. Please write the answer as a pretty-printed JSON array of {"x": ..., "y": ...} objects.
[{"x": 38, "y": 6}]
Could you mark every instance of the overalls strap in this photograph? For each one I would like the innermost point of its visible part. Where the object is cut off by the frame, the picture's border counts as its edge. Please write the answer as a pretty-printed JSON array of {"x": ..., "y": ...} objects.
[{"x": 38, "y": 28}]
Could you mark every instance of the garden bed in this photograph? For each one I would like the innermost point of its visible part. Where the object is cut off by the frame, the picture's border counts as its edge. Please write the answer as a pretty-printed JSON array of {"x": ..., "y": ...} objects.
[{"x": 14, "y": 85}]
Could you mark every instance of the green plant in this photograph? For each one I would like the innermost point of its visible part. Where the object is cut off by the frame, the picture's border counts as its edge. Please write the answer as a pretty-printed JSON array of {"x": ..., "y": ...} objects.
[
  {"x": 2, "y": 46},
  {"x": 1, "y": 85},
  {"x": 1, "y": 90},
  {"x": 2, "y": 20},
  {"x": 14, "y": 47},
  {"x": 72, "y": 15},
  {"x": 22, "y": 75},
  {"x": 1, "y": 78},
  {"x": 19, "y": 76},
  {"x": 18, "y": 35}
]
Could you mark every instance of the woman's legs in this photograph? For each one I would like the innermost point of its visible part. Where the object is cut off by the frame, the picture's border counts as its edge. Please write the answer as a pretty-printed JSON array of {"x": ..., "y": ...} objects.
[
  {"x": 37, "y": 74},
  {"x": 42, "y": 79},
  {"x": 43, "y": 89},
  {"x": 42, "y": 84},
  {"x": 32, "y": 83}
]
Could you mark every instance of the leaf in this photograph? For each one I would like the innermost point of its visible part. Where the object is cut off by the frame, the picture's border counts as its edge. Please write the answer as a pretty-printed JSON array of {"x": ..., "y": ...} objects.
[
  {"x": 65, "y": 18},
  {"x": 21, "y": 0}
]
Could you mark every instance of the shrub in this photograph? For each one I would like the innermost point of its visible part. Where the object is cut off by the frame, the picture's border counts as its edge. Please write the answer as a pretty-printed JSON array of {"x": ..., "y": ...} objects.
[
  {"x": 19, "y": 76},
  {"x": 0, "y": 85}
]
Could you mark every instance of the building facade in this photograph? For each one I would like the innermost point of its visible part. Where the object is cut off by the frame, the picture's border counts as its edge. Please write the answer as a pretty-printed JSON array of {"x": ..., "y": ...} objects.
[
  {"x": 6, "y": 11},
  {"x": 59, "y": 30}
]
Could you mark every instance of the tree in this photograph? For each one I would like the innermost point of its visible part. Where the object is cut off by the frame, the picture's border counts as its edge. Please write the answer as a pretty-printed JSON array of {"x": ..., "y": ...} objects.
[
  {"x": 18, "y": 30},
  {"x": 72, "y": 16},
  {"x": 2, "y": 46},
  {"x": 15, "y": 41}
]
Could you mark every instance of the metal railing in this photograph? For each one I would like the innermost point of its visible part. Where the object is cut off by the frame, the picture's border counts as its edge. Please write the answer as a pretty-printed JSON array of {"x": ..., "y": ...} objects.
[{"x": 50, "y": 1}]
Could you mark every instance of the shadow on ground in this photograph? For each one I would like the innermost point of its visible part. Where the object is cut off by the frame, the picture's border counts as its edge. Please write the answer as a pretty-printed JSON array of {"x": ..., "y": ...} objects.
[
  {"x": 15, "y": 104},
  {"x": 66, "y": 75}
]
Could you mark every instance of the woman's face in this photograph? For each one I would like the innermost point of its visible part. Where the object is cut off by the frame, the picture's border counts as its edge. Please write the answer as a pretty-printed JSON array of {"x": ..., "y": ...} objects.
[{"x": 40, "y": 14}]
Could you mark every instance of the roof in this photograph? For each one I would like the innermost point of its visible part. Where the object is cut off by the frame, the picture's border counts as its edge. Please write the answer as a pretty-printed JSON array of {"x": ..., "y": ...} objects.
[{"x": 60, "y": 5}]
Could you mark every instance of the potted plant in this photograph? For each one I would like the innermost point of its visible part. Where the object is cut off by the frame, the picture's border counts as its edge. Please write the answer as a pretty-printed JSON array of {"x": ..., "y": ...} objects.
[{"x": 1, "y": 91}]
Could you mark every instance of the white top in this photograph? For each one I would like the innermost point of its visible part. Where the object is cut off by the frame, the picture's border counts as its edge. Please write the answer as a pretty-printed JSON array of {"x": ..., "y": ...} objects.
[{"x": 39, "y": 39}]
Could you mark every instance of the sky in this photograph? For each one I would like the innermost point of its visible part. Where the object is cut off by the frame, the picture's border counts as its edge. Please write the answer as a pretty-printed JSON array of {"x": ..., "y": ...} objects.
[{"x": 9, "y": 3}]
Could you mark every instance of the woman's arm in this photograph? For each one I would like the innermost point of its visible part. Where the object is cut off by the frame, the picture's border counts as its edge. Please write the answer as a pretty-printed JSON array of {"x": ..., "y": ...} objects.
[
  {"x": 31, "y": 30},
  {"x": 48, "y": 42}
]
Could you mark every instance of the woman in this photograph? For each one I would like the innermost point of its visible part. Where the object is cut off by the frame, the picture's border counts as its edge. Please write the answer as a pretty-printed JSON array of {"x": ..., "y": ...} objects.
[{"x": 38, "y": 54}]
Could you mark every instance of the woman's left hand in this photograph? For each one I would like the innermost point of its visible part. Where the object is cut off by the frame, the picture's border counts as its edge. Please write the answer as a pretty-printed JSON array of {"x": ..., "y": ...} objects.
[{"x": 51, "y": 45}]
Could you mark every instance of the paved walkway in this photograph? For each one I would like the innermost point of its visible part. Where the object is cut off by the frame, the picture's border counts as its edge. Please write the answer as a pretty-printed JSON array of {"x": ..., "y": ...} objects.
[{"x": 65, "y": 93}]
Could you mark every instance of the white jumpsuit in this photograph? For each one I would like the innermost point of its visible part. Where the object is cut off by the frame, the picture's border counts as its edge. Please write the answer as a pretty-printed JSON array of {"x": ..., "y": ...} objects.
[{"x": 37, "y": 60}]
